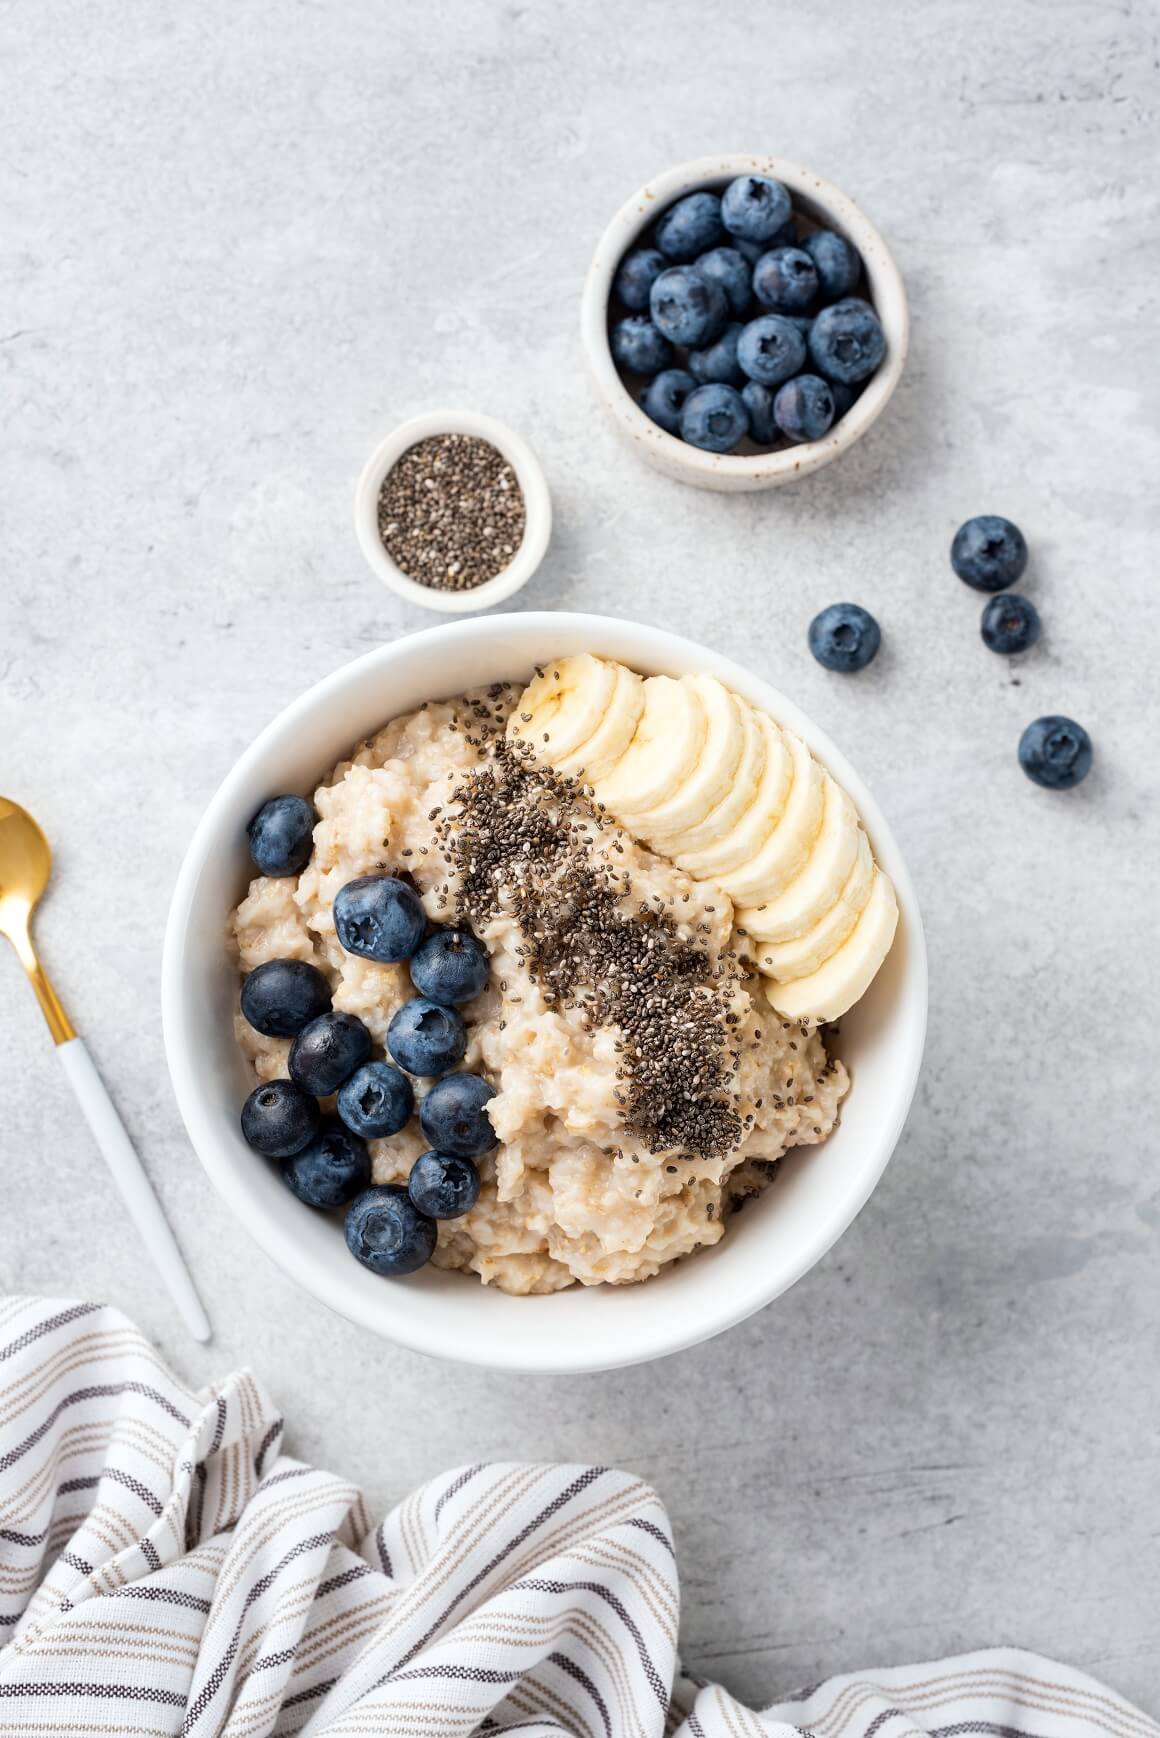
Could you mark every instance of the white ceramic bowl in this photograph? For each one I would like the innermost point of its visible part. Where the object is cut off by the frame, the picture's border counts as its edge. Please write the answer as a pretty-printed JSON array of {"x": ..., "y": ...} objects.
[
  {"x": 537, "y": 504},
  {"x": 771, "y": 1244},
  {"x": 827, "y": 208}
]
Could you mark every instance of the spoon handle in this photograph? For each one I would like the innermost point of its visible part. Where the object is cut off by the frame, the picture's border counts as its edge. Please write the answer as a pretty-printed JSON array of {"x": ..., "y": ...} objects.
[{"x": 129, "y": 1176}]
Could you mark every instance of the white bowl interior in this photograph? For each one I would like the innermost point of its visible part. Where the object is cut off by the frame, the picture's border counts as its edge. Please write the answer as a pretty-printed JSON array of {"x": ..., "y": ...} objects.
[{"x": 769, "y": 1245}]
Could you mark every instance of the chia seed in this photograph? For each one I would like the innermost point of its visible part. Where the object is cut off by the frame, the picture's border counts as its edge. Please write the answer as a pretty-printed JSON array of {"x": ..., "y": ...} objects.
[{"x": 451, "y": 512}]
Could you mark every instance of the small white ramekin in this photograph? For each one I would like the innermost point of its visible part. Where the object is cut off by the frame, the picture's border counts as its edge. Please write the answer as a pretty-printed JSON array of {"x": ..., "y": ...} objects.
[
  {"x": 537, "y": 505},
  {"x": 735, "y": 472}
]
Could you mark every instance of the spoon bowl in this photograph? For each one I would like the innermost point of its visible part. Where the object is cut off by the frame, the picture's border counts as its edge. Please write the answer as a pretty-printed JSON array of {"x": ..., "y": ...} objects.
[{"x": 25, "y": 866}]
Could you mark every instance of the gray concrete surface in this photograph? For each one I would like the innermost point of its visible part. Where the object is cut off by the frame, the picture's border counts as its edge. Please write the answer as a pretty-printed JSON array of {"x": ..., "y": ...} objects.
[{"x": 240, "y": 242}]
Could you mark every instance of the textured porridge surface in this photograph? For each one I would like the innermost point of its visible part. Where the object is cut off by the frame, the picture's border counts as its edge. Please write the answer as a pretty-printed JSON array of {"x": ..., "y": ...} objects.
[{"x": 568, "y": 1194}]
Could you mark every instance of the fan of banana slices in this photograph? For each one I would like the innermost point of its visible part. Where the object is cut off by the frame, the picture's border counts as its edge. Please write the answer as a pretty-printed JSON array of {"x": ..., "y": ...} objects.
[{"x": 706, "y": 780}]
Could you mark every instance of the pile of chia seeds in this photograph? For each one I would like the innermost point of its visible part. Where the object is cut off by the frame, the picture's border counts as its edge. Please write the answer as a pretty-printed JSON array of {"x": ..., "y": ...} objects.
[{"x": 451, "y": 512}]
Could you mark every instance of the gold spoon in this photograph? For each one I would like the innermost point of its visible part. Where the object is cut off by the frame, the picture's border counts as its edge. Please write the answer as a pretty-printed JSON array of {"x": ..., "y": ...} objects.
[{"x": 25, "y": 866}]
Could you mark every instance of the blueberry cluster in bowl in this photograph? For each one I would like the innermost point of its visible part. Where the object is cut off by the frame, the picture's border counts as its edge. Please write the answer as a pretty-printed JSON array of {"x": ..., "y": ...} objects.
[
  {"x": 743, "y": 325},
  {"x": 324, "y": 1157}
]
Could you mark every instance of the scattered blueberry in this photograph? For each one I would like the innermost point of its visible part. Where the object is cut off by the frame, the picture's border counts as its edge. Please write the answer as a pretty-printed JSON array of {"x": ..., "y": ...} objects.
[
  {"x": 771, "y": 349},
  {"x": 1056, "y": 752},
  {"x": 804, "y": 408},
  {"x": 385, "y": 1231},
  {"x": 844, "y": 637},
  {"x": 988, "y": 552},
  {"x": 327, "y": 1052},
  {"x": 785, "y": 281},
  {"x": 332, "y": 1170},
  {"x": 376, "y": 1101},
  {"x": 635, "y": 276},
  {"x": 442, "y": 1186},
  {"x": 835, "y": 261},
  {"x": 638, "y": 347},
  {"x": 714, "y": 418},
  {"x": 425, "y": 1038},
  {"x": 846, "y": 341},
  {"x": 278, "y": 1119},
  {"x": 718, "y": 361},
  {"x": 1010, "y": 623},
  {"x": 281, "y": 996},
  {"x": 755, "y": 208},
  {"x": 379, "y": 917},
  {"x": 451, "y": 966},
  {"x": 453, "y": 1118},
  {"x": 664, "y": 396},
  {"x": 687, "y": 308},
  {"x": 758, "y": 401},
  {"x": 691, "y": 226},
  {"x": 729, "y": 268},
  {"x": 281, "y": 835}
]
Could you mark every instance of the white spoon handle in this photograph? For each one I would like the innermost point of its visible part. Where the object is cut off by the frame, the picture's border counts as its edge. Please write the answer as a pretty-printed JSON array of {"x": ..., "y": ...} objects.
[{"x": 129, "y": 1176}]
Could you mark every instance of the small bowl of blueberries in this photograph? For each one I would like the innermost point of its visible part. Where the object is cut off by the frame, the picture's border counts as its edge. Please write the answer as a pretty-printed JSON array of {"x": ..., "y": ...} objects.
[{"x": 744, "y": 322}]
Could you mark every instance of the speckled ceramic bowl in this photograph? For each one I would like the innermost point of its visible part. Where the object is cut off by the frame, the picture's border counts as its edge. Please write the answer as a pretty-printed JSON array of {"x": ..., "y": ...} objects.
[{"x": 824, "y": 206}]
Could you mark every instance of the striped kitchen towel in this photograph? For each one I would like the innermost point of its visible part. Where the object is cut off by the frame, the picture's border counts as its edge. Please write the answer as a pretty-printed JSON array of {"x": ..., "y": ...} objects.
[{"x": 165, "y": 1568}]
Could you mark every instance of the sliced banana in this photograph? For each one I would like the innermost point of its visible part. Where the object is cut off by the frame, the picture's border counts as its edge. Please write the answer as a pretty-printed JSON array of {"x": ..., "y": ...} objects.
[
  {"x": 712, "y": 777},
  {"x": 721, "y": 820},
  {"x": 566, "y": 705},
  {"x": 817, "y": 886},
  {"x": 784, "y": 853},
  {"x": 837, "y": 984},
  {"x": 750, "y": 831},
  {"x": 806, "y": 952},
  {"x": 662, "y": 754},
  {"x": 596, "y": 758}
]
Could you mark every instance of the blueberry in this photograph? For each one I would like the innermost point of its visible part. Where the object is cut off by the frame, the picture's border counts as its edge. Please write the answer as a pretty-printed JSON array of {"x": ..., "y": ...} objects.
[
  {"x": 729, "y": 268},
  {"x": 635, "y": 276},
  {"x": 1056, "y": 752},
  {"x": 785, "y": 281},
  {"x": 837, "y": 264},
  {"x": 451, "y": 966},
  {"x": 1010, "y": 623},
  {"x": 804, "y": 408},
  {"x": 638, "y": 347},
  {"x": 664, "y": 396},
  {"x": 327, "y": 1052},
  {"x": 846, "y": 341},
  {"x": 771, "y": 349},
  {"x": 718, "y": 361},
  {"x": 988, "y": 552},
  {"x": 714, "y": 418},
  {"x": 442, "y": 1186},
  {"x": 425, "y": 1038},
  {"x": 281, "y": 996},
  {"x": 691, "y": 226},
  {"x": 843, "y": 397},
  {"x": 379, "y": 917},
  {"x": 281, "y": 835},
  {"x": 688, "y": 308},
  {"x": 332, "y": 1170},
  {"x": 751, "y": 251},
  {"x": 376, "y": 1101},
  {"x": 758, "y": 401},
  {"x": 844, "y": 637},
  {"x": 387, "y": 1234},
  {"x": 755, "y": 207},
  {"x": 279, "y": 1118},
  {"x": 453, "y": 1118}
]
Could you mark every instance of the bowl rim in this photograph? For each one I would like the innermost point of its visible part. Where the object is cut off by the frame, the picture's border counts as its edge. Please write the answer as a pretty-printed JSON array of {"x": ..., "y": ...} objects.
[
  {"x": 677, "y": 457},
  {"x": 533, "y": 486},
  {"x": 408, "y": 1328}
]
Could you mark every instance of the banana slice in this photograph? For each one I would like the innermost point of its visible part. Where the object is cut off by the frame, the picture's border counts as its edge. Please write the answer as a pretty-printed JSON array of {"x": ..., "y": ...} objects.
[
  {"x": 818, "y": 885},
  {"x": 712, "y": 777},
  {"x": 847, "y": 974},
  {"x": 567, "y": 704},
  {"x": 664, "y": 750},
  {"x": 722, "y": 819},
  {"x": 596, "y": 758},
  {"x": 786, "y": 960},
  {"x": 754, "y": 825},
  {"x": 784, "y": 853}
]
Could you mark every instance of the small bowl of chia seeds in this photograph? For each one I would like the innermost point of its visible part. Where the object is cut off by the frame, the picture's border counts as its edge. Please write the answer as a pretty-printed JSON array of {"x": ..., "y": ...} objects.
[{"x": 452, "y": 511}]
